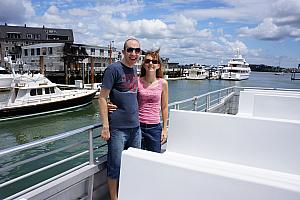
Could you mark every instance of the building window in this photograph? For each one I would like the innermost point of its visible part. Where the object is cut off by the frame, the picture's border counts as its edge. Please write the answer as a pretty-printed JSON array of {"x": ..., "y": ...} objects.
[
  {"x": 57, "y": 37},
  {"x": 101, "y": 52},
  {"x": 13, "y": 35},
  {"x": 44, "y": 51},
  {"x": 50, "y": 50},
  {"x": 37, "y": 36},
  {"x": 32, "y": 52},
  {"x": 38, "y": 51},
  {"x": 29, "y": 36},
  {"x": 25, "y": 52},
  {"x": 92, "y": 51}
]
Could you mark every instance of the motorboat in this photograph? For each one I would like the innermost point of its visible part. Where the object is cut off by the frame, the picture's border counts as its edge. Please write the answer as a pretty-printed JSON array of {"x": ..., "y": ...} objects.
[
  {"x": 236, "y": 69},
  {"x": 197, "y": 72},
  {"x": 34, "y": 94}
]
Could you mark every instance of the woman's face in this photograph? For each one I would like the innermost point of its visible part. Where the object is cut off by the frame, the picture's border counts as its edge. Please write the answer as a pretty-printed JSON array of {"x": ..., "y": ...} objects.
[{"x": 151, "y": 64}]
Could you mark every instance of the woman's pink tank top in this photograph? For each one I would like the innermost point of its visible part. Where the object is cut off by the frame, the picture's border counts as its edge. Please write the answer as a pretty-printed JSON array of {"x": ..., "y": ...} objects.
[{"x": 149, "y": 100}]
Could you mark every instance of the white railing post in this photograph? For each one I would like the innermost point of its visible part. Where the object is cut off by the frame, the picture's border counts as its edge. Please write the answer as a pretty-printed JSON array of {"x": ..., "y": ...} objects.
[
  {"x": 207, "y": 102},
  {"x": 195, "y": 103},
  {"x": 91, "y": 162},
  {"x": 91, "y": 147}
]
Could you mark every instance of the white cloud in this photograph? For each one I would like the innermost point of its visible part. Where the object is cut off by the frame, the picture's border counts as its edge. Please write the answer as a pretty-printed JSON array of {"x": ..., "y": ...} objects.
[
  {"x": 15, "y": 11},
  {"x": 53, "y": 16},
  {"x": 267, "y": 30}
]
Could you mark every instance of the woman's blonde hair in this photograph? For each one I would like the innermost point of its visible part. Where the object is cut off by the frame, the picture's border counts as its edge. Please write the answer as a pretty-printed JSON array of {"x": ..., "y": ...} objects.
[{"x": 155, "y": 55}]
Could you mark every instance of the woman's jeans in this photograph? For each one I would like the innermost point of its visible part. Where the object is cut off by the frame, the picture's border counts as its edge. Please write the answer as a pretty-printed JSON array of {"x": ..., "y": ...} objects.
[{"x": 151, "y": 136}]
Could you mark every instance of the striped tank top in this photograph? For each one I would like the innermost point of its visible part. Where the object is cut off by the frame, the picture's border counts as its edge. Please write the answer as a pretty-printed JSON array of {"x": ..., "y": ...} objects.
[{"x": 149, "y": 100}]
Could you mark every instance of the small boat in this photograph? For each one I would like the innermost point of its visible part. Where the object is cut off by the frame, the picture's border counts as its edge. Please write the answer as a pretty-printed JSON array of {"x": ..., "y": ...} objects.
[
  {"x": 5, "y": 78},
  {"x": 33, "y": 94},
  {"x": 279, "y": 73},
  {"x": 197, "y": 72},
  {"x": 237, "y": 69}
]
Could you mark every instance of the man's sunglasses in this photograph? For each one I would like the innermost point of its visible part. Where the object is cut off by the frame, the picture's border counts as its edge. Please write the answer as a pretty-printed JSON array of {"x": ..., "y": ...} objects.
[
  {"x": 152, "y": 61},
  {"x": 136, "y": 50}
]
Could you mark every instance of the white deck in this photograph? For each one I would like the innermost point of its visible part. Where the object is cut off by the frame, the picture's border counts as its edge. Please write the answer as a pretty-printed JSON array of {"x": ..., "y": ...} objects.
[{"x": 216, "y": 157}]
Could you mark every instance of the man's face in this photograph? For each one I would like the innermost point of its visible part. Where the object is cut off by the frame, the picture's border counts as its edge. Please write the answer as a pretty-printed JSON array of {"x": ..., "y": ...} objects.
[{"x": 131, "y": 52}]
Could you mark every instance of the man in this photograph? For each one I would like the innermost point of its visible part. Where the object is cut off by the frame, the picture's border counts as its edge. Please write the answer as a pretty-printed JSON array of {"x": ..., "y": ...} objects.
[{"x": 120, "y": 128}]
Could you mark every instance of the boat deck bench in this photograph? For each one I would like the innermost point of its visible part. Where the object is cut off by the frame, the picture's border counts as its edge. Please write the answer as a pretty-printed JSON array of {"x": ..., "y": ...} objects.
[
  {"x": 270, "y": 104},
  {"x": 217, "y": 156}
]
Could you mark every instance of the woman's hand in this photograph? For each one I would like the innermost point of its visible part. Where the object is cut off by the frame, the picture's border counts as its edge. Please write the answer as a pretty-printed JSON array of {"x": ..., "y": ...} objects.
[
  {"x": 111, "y": 107},
  {"x": 164, "y": 135}
]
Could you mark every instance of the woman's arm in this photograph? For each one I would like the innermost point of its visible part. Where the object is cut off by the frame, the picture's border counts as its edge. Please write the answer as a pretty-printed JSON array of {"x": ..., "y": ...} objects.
[{"x": 164, "y": 110}]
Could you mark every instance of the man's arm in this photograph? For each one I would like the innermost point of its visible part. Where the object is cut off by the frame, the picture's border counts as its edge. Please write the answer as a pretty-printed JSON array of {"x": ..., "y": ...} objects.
[{"x": 105, "y": 134}]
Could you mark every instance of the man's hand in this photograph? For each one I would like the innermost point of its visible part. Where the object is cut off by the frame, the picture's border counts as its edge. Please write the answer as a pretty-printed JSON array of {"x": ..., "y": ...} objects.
[
  {"x": 111, "y": 107},
  {"x": 105, "y": 134}
]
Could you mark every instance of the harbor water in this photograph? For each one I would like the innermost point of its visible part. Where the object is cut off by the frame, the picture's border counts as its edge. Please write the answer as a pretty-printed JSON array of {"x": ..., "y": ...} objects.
[{"x": 21, "y": 131}]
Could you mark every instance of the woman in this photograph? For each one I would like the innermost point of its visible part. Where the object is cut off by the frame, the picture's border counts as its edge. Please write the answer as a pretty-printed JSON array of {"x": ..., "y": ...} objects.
[{"x": 153, "y": 99}]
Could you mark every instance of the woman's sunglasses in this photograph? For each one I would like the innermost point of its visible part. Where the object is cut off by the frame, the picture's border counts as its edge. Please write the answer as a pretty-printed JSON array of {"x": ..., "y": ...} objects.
[
  {"x": 152, "y": 61},
  {"x": 136, "y": 50}
]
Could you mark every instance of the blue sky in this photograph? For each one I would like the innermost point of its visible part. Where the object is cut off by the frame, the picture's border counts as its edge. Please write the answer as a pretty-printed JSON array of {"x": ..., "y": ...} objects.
[{"x": 187, "y": 31}]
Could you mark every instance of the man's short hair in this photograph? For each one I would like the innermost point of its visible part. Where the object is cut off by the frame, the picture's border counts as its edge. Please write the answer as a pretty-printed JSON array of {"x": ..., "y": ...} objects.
[{"x": 125, "y": 43}]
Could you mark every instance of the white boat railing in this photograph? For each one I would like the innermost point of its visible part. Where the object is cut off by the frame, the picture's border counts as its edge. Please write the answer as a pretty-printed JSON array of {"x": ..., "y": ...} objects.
[
  {"x": 25, "y": 149},
  {"x": 205, "y": 102},
  {"x": 208, "y": 102}
]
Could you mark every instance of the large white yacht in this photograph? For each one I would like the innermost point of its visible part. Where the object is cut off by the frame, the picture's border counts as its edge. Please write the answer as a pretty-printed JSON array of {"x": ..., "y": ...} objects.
[{"x": 237, "y": 68}]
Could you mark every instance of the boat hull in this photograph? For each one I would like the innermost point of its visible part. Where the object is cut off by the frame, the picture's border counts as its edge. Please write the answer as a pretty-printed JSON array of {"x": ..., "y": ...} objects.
[
  {"x": 45, "y": 108},
  {"x": 234, "y": 77}
]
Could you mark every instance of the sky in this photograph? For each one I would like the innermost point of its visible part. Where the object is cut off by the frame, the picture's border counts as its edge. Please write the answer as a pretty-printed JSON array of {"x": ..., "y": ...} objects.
[{"x": 186, "y": 31}]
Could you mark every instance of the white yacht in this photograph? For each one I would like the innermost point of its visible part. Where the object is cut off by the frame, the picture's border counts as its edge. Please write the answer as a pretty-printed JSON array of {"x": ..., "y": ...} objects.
[
  {"x": 197, "y": 72},
  {"x": 33, "y": 94},
  {"x": 237, "y": 69}
]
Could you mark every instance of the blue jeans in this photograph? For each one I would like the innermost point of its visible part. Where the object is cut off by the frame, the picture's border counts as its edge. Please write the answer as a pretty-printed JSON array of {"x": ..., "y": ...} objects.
[
  {"x": 151, "y": 135},
  {"x": 120, "y": 139}
]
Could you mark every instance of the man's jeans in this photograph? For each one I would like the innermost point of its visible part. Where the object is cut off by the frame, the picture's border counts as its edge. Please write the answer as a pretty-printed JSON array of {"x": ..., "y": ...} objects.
[{"x": 120, "y": 139}]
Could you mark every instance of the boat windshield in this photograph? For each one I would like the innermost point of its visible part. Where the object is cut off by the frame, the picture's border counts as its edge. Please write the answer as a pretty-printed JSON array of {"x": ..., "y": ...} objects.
[{"x": 3, "y": 71}]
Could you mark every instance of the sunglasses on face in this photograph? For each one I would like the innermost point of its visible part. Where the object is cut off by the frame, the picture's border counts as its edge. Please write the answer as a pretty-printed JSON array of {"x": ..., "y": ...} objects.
[
  {"x": 147, "y": 61},
  {"x": 136, "y": 50}
]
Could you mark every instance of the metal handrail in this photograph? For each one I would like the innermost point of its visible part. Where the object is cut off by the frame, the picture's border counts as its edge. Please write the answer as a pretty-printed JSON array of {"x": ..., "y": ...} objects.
[
  {"x": 209, "y": 102},
  {"x": 51, "y": 139},
  {"x": 47, "y": 140}
]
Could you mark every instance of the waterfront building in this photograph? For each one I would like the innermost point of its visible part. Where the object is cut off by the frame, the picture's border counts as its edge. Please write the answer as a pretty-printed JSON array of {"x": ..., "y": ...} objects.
[
  {"x": 66, "y": 62},
  {"x": 12, "y": 38}
]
